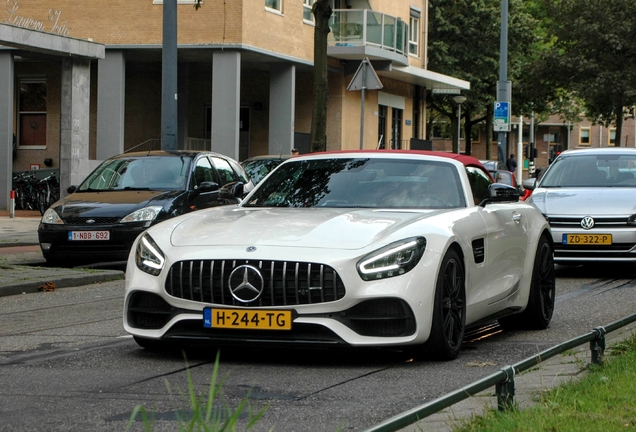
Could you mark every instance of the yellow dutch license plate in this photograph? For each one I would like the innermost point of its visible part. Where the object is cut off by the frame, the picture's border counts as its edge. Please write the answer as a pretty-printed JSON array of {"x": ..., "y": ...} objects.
[
  {"x": 587, "y": 239},
  {"x": 247, "y": 319}
]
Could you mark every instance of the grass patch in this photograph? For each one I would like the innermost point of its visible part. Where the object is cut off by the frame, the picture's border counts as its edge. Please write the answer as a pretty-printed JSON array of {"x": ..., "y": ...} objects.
[
  {"x": 603, "y": 400},
  {"x": 205, "y": 412}
]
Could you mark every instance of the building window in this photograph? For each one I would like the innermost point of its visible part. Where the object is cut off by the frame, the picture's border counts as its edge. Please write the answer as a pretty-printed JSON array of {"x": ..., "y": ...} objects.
[
  {"x": 307, "y": 15},
  {"x": 276, "y": 5},
  {"x": 396, "y": 128},
  {"x": 585, "y": 136},
  {"x": 611, "y": 138},
  {"x": 32, "y": 112},
  {"x": 414, "y": 32}
]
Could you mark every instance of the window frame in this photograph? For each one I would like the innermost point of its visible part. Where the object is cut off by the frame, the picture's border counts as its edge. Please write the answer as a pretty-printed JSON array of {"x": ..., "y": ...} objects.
[
  {"x": 589, "y": 133},
  {"x": 308, "y": 4},
  {"x": 611, "y": 142},
  {"x": 277, "y": 10},
  {"x": 188, "y": 2},
  {"x": 414, "y": 32},
  {"x": 22, "y": 112}
]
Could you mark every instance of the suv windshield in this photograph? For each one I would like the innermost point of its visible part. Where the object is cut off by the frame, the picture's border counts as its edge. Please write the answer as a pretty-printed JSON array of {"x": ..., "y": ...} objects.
[
  {"x": 368, "y": 183},
  {"x": 139, "y": 173},
  {"x": 585, "y": 170}
]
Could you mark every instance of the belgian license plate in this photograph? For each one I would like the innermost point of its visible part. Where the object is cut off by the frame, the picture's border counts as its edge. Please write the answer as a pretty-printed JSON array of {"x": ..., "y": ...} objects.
[
  {"x": 251, "y": 319},
  {"x": 587, "y": 239},
  {"x": 88, "y": 235}
]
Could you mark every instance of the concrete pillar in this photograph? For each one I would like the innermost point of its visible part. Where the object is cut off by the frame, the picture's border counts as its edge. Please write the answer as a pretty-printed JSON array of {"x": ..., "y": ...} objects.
[
  {"x": 111, "y": 102},
  {"x": 226, "y": 94},
  {"x": 6, "y": 128},
  {"x": 74, "y": 122},
  {"x": 282, "y": 107}
]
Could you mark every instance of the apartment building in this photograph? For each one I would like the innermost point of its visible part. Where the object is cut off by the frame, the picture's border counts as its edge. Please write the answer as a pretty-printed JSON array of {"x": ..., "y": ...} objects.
[{"x": 245, "y": 80}]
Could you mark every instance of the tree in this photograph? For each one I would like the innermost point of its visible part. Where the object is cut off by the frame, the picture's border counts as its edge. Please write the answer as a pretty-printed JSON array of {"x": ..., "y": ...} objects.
[
  {"x": 464, "y": 42},
  {"x": 322, "y": 13},
  {"x": 594, "y": 55}
]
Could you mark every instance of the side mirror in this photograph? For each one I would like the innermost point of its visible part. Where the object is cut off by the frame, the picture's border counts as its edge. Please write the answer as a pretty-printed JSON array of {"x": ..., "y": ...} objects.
[
  {"x": 71, "y": 189},
  {"x": 499, "y": 192},
  {"x": 232, "y": 191},
  {"x": 207, "y": 186},
  {"x": 530, "y": 183}
]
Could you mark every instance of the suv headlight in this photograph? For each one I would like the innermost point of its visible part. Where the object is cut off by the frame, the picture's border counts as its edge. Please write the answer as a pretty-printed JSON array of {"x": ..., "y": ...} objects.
[
  {"x": 146, "y": 214},
  {"x": 148, "y": 256},
  {"x": 392, "y": 260}
]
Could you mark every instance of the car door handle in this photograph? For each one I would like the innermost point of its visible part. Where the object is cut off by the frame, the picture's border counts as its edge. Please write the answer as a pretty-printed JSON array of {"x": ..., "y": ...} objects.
[{"x": 516, "y": 217}]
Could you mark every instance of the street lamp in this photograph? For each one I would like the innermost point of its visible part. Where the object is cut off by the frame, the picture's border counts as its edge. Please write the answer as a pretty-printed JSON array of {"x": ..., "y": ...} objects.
[{"x": 459, "y": 99}]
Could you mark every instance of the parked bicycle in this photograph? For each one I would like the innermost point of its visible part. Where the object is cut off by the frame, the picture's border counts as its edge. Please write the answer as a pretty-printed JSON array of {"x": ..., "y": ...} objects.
[{"x": 32, "y": 193}]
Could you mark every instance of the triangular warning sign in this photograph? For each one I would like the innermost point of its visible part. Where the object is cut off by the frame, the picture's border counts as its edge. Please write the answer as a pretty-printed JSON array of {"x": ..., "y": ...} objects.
[{"x": 365, "y": 77}]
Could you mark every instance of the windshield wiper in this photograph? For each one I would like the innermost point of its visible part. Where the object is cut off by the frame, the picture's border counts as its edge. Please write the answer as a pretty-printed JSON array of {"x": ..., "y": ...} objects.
[{"x": 136, "y": 188}]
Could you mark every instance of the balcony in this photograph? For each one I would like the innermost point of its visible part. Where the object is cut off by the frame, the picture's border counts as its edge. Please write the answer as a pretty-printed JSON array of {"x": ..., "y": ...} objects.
[{"x": 359, "y": 33}]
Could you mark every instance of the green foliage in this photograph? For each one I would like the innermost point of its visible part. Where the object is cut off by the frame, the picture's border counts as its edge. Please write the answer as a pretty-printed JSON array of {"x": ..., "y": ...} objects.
[
  {"x": 602, "y": 400},
  {"x": 205, "y": 412},
  {"x": 593, "y": 55}
]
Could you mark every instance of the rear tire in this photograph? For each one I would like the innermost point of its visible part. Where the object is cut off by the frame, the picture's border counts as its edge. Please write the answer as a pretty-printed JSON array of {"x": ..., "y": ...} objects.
[
  {"x": 449, "y": 311},
  {"x": 538, "y": 313}
]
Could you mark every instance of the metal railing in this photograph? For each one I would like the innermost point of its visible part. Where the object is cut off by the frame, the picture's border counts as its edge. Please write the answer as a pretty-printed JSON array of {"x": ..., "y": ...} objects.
[{"x": 504, "y": 380}]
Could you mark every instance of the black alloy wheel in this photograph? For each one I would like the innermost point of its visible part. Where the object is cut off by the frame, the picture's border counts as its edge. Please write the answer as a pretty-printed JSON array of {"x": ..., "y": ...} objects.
[{"x": 449, "y": 312}]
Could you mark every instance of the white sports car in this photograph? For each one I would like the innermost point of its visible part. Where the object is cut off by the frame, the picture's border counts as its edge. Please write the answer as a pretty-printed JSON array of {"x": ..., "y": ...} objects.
[{"x": 355, "y": 248}]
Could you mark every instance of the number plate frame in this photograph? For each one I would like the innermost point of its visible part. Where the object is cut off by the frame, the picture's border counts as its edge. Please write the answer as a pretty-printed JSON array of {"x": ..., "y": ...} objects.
[
  {"x": 89, "y": 235},
  {"x": 587, "y": 239},
  {"x": 247, "y": 319}
]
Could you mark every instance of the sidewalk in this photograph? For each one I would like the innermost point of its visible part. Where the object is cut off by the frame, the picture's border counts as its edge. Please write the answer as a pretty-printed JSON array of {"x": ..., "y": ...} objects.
[{"x": 22, "y": 267}]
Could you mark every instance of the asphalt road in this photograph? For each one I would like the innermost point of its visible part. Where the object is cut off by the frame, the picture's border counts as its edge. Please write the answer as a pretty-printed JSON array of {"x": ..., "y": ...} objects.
[{"x": 67, "y": 365}]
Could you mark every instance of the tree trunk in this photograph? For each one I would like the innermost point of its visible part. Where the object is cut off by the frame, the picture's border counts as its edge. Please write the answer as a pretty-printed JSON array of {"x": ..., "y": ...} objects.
[
  {"x": 619, "y": 126},
  {"x": 322, "y": 12}
]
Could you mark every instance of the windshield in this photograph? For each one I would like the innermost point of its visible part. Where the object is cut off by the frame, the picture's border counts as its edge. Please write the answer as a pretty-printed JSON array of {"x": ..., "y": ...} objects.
[
  {"x": 367, "y": 183},
  {"x": 615, "y": 170},
  {"x": 139, "y": 173},
  {"x": 259, "y": 168}
]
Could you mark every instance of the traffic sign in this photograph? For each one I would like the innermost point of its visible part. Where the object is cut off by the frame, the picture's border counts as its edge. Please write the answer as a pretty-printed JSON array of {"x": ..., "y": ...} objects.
[
  {"x": 501, "y": 121},
  {"x": 365, "y": 78}
]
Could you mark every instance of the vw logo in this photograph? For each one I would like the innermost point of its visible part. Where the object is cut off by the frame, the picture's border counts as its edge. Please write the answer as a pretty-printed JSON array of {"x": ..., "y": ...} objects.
[
  {"x": 587, "y": 222},
  {"x": 246, "y": 283},
  {"x": 90, "y": 221}
]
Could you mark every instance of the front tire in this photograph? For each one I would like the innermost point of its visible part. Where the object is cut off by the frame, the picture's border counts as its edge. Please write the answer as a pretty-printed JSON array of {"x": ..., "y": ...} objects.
[
  {"x": 540, "y": 309},
  {"x": 449, "y": 311}
]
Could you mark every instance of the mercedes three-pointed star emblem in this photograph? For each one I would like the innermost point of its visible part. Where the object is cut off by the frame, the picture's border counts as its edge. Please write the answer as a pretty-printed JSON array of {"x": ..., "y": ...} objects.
[{"x": 246, "y": 283}]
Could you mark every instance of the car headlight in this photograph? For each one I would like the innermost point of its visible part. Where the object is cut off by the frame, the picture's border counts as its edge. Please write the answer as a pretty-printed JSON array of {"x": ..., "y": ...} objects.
[
  {"x": 50, "y": 216},
  {"x": 146, "y": 214},
  {"x": 148, "y": 256},
  {"x": 392, "y": 260}
]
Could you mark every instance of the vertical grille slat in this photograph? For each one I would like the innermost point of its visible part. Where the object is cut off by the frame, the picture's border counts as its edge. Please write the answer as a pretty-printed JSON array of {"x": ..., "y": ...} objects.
[{"x": 285, "y": 283}]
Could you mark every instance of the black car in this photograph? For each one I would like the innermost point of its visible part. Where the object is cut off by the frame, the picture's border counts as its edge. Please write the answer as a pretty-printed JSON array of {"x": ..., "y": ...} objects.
[{"x": 127, "y": 193}]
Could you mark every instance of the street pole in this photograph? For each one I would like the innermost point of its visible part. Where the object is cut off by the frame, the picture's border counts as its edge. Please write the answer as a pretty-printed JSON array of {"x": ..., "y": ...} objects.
[
  {"x": 519, "y": 173},
  {"x": 364, "y": 87},
  {"x": 169, "y": 77},
  {"x": 503, "y": 87},
  {"x": 459, "y": 99}
]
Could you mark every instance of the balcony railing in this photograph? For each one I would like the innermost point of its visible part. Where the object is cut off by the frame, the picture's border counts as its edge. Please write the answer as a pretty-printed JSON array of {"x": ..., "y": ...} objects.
[{"x": 365, "y": 27}]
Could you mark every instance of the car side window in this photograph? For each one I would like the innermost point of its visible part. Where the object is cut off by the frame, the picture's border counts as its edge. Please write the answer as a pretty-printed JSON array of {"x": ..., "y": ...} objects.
[
  {"x": 240, "y": 172},
  {"x": 203, "y": 171},
  {"x": 479, "y": 182},
  {"x": 226, "y": 174}
]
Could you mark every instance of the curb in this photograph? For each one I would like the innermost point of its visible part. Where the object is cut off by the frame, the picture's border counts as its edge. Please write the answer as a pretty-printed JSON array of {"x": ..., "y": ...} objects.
[{"x": 61, "y": 282}]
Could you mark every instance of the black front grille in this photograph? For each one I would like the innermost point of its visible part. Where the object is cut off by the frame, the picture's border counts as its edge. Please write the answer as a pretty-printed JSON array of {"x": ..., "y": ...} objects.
[
  {"x": 96, "y": 221},
  {"x": 286, "y": 283}
]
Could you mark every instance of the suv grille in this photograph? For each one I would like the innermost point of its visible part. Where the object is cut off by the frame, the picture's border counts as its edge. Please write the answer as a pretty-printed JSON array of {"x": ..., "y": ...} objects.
[
  {"x": 286, "y": 283},
  {"x": 600, "y": 223}
]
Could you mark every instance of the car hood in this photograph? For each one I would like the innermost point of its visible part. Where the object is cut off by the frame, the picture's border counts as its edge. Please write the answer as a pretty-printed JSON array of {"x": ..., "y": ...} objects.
[
  {"x": 584, "y": 201},
  {"x": 110, "y": 203},
  {"x": 307, "y": 228}
]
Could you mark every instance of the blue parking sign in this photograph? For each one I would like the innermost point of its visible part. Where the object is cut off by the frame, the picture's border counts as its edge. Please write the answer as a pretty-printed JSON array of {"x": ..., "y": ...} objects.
[{"x": 501, "y": 121}]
